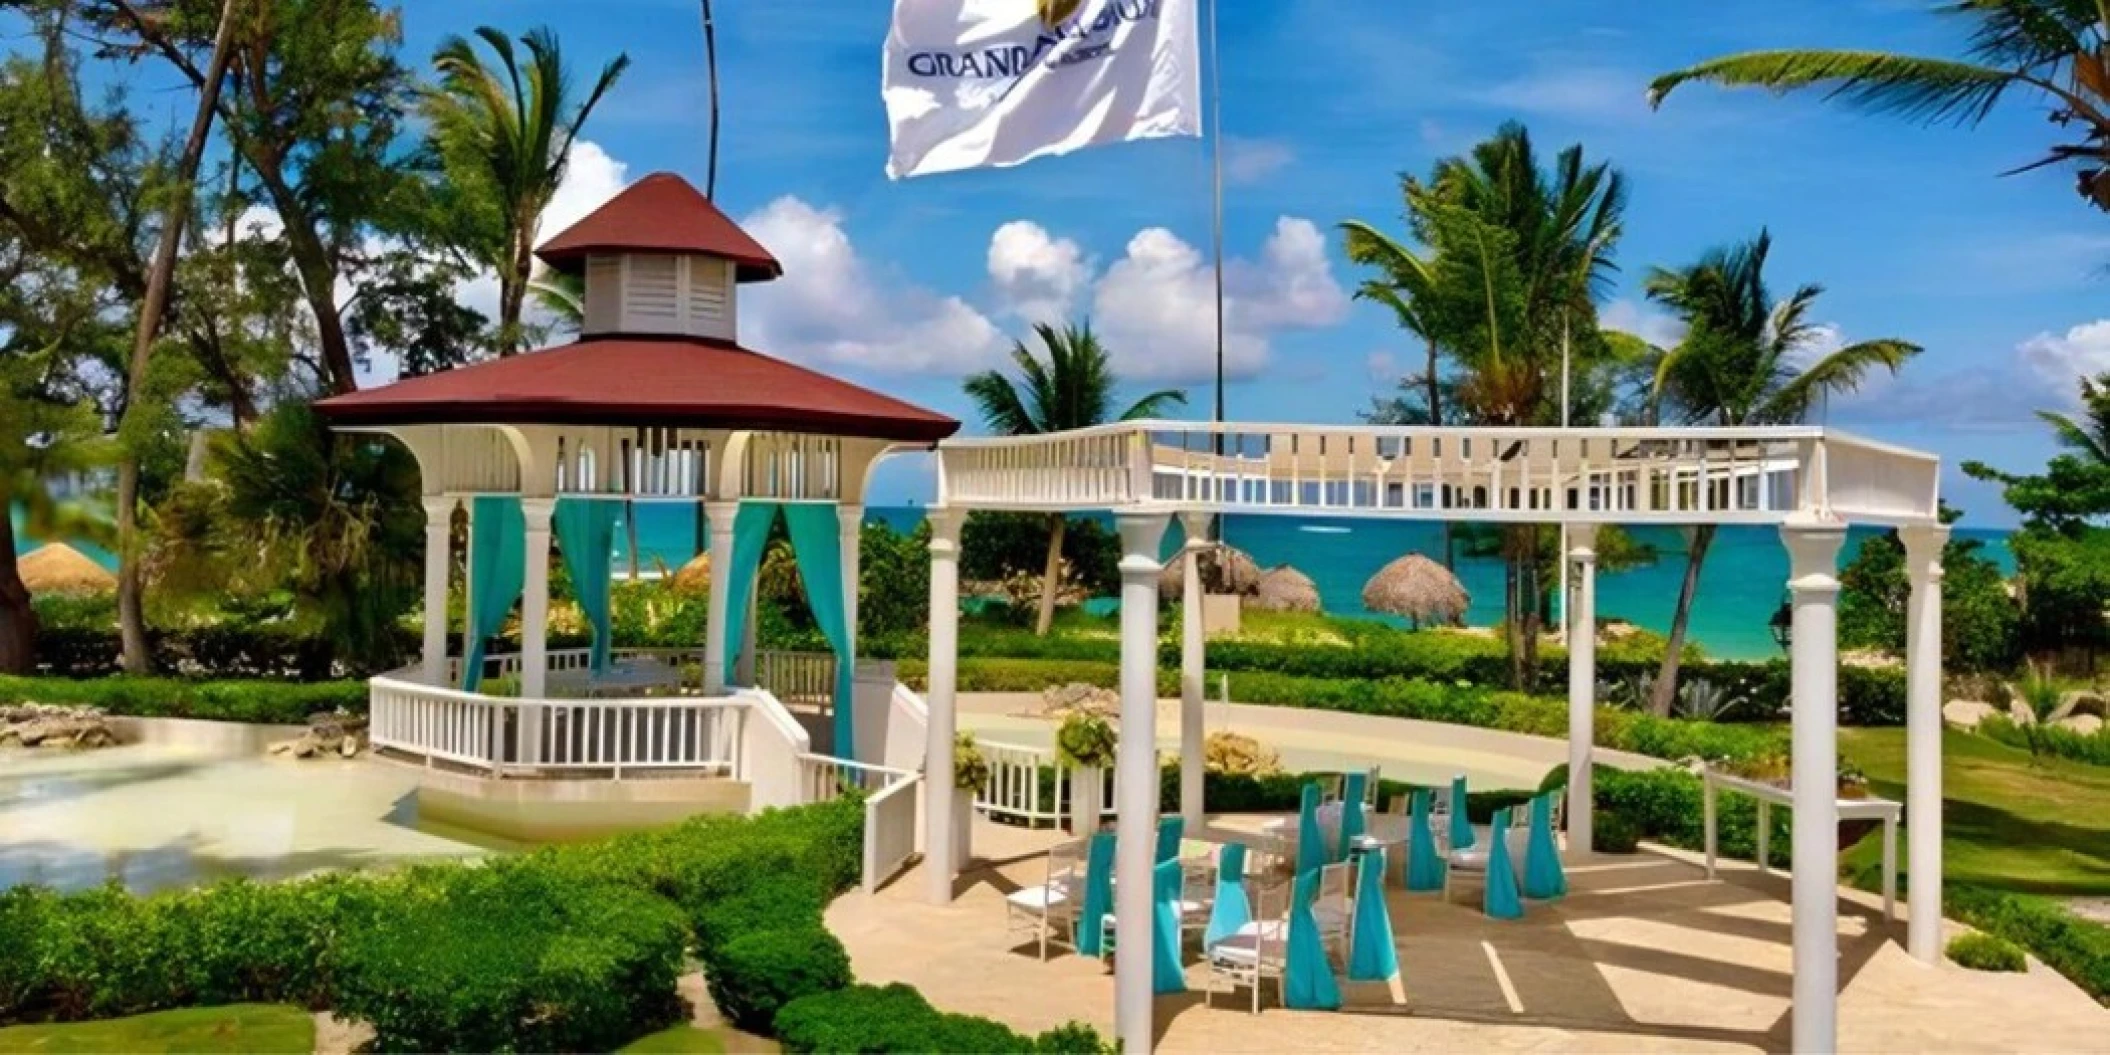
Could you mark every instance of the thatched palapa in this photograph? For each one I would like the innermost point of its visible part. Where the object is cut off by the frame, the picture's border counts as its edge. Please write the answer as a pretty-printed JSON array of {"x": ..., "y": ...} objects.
[
  {"x": 1285, "y": 589},
  {"x": 1418, "y": 588},
  {"x": 59, "y": 568},
  {"x": 1225, "y": 569}
]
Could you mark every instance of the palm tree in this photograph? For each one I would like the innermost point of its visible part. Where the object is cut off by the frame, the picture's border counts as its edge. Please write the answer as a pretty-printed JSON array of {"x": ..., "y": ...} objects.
[
  {"x": 562, "y": 296},
  {"x": 1745, "y": 360},
  {"x": 2088, "y": 435},
  {"x": 505, "y": 132},
  {"x": 1073, "y": 388},
  {"x": 2056, "y": 51}
]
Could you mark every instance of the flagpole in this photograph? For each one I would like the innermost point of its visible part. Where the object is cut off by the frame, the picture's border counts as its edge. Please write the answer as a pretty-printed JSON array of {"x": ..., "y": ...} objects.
[
  {"x": 1562, "y": 610},
  {"x": 1214, "y": 105}
]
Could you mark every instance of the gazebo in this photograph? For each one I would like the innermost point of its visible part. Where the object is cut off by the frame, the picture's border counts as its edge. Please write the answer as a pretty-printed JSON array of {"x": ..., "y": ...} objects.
[{"x": 656, "y": 402}]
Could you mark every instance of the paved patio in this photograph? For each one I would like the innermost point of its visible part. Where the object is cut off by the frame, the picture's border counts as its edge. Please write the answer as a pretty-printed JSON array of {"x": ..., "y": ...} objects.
[{"x": 1644, "y": 954}]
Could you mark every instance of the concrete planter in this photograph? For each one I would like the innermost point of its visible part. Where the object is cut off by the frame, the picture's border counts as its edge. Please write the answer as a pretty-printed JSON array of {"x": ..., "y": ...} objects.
[
  {"x": 1087, "y": 805},
  {"x": 962, "y": 828}
]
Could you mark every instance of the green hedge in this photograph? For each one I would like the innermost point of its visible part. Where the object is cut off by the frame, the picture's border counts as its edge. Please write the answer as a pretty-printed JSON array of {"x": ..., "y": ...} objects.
[
  {"x": 2092, "y": 748},
  {"x": 1666, "y": 805},
  {"x": 278, "y": 702},
  {"x": 896, "y": 1018},
  {"x": 214, "y": 652},
  {"x": 2070, "y": 945},
  {"x": 1987, "y": 952}
]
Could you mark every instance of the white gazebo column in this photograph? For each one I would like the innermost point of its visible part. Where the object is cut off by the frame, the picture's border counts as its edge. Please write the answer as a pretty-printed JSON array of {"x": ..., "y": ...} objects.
[
  {"x": 1582, "y": 682},
  {"x": 1813, "y": 564},
  {"x": 534, "y": 621},
  {"x": 1136, "y": 777},
  {"x": 938, "y": 798},
  {"x": 439, "y": 551},
  {"x": 719, "y": 517},
  {"x": 850, "y": 527},
  {"x": 1923, "y": 729},
  {"x": 1192, "y": 664}
]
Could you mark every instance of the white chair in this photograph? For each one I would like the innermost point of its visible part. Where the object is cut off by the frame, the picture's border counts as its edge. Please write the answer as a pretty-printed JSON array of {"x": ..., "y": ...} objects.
[
  {"x": 1049, "y": 911},
  {"x": 1471, "y": 864},
  {"x": 1194, "y": 917},
  {"x": 1257, "y": 951},
  {"x": 1334, "y": 906}
]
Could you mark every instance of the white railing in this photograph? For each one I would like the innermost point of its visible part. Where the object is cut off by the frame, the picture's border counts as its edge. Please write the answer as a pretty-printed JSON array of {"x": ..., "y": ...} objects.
[
  {"x": 506, "y": 736},
  {"x": 1014, "y": 789},
  {"x": 891, "y": 814},
  {"x": 1679, "y": 475},
  {"x": 805, "y": 679}
]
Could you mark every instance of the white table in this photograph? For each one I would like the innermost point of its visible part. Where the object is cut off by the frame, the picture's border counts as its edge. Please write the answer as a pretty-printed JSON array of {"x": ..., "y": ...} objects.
[
  {"x": 1767, "y": 794},
  {"x": 1383, "y": 829}
]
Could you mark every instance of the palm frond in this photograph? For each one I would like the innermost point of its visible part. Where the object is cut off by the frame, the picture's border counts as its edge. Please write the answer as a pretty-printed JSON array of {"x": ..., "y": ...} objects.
[
  {"x": 1922, "y": 89},
  {"x": 1840, "y": 372}
]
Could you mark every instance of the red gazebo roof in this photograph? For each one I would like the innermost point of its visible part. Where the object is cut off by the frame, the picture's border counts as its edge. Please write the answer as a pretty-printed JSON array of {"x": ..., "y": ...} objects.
[
  {"x": 692, "y": 382},
  {"x": 661, "y": 213}
]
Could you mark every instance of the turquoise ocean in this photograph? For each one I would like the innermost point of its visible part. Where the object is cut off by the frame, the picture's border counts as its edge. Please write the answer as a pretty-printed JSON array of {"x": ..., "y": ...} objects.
[{"x": 1740, "y": 586}]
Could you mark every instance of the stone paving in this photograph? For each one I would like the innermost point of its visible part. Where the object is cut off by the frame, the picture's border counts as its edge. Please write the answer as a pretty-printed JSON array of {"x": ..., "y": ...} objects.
[{"x": 1645, "y": 954}]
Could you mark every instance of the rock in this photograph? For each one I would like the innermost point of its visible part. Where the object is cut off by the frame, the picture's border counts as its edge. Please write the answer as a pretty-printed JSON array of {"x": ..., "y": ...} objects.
[
  {"x": 348, "y": 747},
  {"x": 2084, "y": 724},
  {"x": 48, "y": 725},
  {"x": 282, "y": 747},
  {"x": 1966, "y": 714},
  {"x": 1234, "y": 753},
  {"x": 1061, "y": 701},
  {"x": 2080, "y": 703}
]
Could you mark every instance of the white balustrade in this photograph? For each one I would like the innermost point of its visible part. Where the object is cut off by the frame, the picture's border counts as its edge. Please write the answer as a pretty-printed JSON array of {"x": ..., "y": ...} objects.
[
  {"x": 891, "y": 816},
  {"x": 806, "y": 679},
  {"x": 1015, "y": 790}
]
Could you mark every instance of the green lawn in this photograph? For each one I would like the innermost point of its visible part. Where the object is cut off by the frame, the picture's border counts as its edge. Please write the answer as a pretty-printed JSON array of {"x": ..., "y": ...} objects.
[
  {"x": 680, "y": 1040},
  {"x": 2009, "y": 824},
  {"x": 233, "y": 1028}
]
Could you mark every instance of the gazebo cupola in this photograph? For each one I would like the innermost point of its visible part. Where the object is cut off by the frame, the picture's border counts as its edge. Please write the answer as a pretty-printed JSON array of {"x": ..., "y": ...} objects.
[{"x": 657, "y": 401}]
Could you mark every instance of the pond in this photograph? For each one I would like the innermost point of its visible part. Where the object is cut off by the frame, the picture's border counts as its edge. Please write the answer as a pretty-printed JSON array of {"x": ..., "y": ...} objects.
[{"x": 155, "y": 817}]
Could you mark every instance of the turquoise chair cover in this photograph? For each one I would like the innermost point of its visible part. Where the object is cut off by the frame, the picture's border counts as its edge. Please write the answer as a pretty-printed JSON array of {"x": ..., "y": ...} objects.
[
  {"x": 1424, "y": 865},
  {"x": 1543, "y": 878},
  {"x": 1166, "y": 974},
  {"x": 1461, "y": 825},
  {"x": 1371, "y": 957},
  {"x": 1351, "y": 814},
  {"x": 1501, "y": 901},
  {"x": 1311, "y": 848},
  {"x": 1308, "y": 980},
  {"x": 1232, "y": 909},
  {"x": 1098, "y": 893},
  {"x": 1170, "y": 831}
]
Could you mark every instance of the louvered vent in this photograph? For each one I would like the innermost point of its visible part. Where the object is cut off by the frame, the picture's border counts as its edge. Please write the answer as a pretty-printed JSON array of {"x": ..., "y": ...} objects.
[{"x": 657, "y": 293}]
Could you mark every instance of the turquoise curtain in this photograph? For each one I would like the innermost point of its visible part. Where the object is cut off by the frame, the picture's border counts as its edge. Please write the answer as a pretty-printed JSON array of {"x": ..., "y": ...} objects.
[
  {"x": 1308, "y": 980},
  {"x": 750, "y": 533},
  {"x": 1166, "y": 975},
  {"x": 586, "y": 531},
  {"x": 1371, "y": 957},
  {"x": 1170, "y": 831},
  {"x": 1098, "y": 893},
  {"x": 1311, "y": 842},
  {"x": 497, "y": 572},
  {"x": 1351, "y": 814},
  {"x": 1461, "y": 825},
  {"x": 1424, "y": 865},
  {"x": 816, "y": 540},
  {"x": 1231, "y": 910},
  {"x": 1543, "y": 878},
  {"x": 1501, "y": 901}
]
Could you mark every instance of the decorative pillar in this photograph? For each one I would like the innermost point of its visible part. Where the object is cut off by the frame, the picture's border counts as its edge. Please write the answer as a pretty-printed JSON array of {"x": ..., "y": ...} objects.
[
  {"x": 938, "y": 797},
  {"x": 719, "y": 518},
  {"x": 1813, "y": 562},
  {"x": 1582, "y": 683},
  {"x": 1193, "y": 659},
  {"x": 534, "y": 623},
  {"x": 1136, "y": 779},
  {"x": 1923, "y": 730},
  {"x": 439, "y": 551},
  {"x": 850, "y": 527}
]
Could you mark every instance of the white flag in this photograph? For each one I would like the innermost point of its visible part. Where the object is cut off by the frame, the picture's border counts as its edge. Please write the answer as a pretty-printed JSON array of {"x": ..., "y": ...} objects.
[{"x": 990, "y": 83}]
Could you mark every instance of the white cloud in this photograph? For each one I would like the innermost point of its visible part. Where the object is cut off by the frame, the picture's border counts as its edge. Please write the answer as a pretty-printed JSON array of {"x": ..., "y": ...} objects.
[
  {"x": 1580, "y": 93},
  {"x": 1157, "y": 304},
  {"x": 831, "y": 308},
  {"x": 1037, "y": 276},
  {"x": 1382, "y": 368},
  {"x": 1249, "y": 161},
  {"x": 1643, "y": 320},
  {"x": 590, "y": 179},
  {"x": 2058, "y": 361}
]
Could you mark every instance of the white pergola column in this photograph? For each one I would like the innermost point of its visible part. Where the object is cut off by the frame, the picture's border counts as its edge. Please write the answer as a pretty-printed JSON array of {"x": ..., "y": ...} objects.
[
  {"x": 938, "y": 798},
  {"x": 1193, "y": 658},
  {"x": 1923, "y": 730},
  {"x": 439, "y": 550},
  {"x": 1136, "y": 777},
  {"x": 1582, "y": 683},
  {"x": 719, "y": 518},
  {"x": 534, "y": 621},
  {"x": 850, "y": 532},
  {"x": 1813, "y": 562}
]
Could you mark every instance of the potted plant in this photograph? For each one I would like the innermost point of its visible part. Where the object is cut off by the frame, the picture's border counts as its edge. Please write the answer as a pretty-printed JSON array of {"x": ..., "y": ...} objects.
[
  {"x": 1853, "y": 783},
  {"x": 970, "y": 774},
  {"x": 1085, "y": 744}
]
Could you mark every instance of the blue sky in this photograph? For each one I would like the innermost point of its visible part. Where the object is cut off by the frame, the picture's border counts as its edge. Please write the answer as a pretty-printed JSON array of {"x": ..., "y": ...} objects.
[{"x": 908, "y": 285}]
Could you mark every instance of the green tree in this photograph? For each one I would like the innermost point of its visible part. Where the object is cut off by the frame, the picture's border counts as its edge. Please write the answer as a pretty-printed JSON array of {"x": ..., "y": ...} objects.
[
  {"x": 2054, "y": 52},
  {"x": 1072, "y": 388},
  {"x": 1980, "y": 622},
  {"x": 504, "y": 131},
  {"x": 1745, "y": 360}
]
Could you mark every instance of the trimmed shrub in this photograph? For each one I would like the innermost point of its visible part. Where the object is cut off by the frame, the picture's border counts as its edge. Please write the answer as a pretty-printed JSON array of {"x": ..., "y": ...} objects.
[
  {"x": 510, "y": 958},
  {"x": 1985, "y": 952},
  {"x": 2070, "y": 945},
  {"x": 1666, "y": 805},
  {"x": 896, "y": 1018},
  {"x": 2092, "y": 748},
  {"x": 275, "y": 702},
  {"x": 213, "y": 651},
  {"x": 1613, "y": 833},
  {"x": 755, "y": 973}
]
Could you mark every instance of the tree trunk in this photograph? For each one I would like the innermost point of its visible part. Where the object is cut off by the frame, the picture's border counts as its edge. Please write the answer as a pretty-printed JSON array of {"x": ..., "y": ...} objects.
[
  {"x": 1051, "y": 577},
  {"x": 1666, "y": 687},
  {"x": 130, "y": 605},
  {"x": 18, "y": 621},
  {"x": 512, "y": 293}
]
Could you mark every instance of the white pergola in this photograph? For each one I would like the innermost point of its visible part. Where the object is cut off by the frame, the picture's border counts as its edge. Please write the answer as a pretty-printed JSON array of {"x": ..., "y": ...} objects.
[{"x": 1809, "y": 482}]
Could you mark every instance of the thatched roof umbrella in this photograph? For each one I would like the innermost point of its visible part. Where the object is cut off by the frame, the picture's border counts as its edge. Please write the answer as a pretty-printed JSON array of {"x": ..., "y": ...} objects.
[
  {"x": 1285, "y": 589},
  {"x": 695, "y": 576},
  {"x": 1418, "y": 588},
  {"x": 59, "y": 568},
  {"x": 1225, "y": 569}
]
